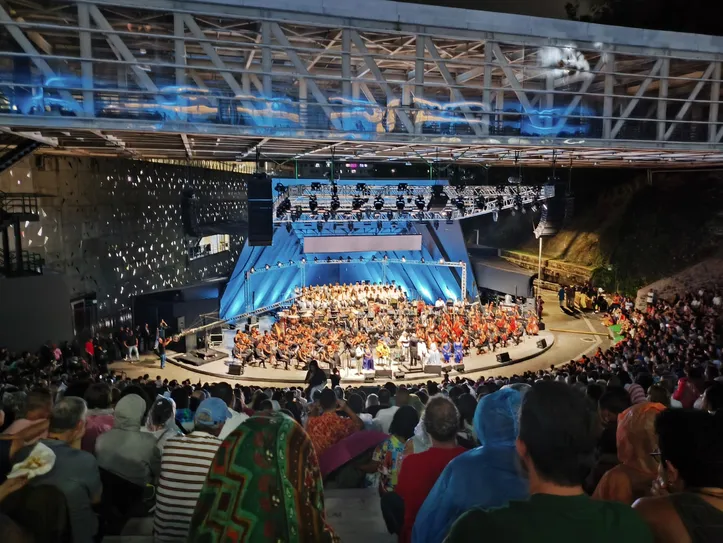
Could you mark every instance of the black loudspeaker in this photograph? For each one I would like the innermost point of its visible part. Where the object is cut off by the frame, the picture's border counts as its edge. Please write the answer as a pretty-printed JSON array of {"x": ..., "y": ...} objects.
[
  {"x": 541, "y": 325},
  {"x": 542, "y": 344},
  {"x": 368, "y": 377},
  {"x": 399, "y": 375},
  {"x": 439, "y": 199},
  {"x": 459, "y": 368},
  {"x": 261, "y": 211},
  {"x": 503, "y": 357},
  {"x": 434, "y": 369},
  {"x": 235, "y": 369},
  {"x": 382, "y": 373}
]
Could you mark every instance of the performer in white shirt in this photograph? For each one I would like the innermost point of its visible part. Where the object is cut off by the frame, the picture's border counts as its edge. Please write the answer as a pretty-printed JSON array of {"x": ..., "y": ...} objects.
[
  {"x": 434, "y": 356},
  {"x": 422, "y": 352}
]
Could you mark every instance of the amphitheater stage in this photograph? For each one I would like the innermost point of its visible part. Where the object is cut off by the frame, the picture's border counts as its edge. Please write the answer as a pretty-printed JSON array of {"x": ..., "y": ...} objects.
[{"x": 527, "y": 349}]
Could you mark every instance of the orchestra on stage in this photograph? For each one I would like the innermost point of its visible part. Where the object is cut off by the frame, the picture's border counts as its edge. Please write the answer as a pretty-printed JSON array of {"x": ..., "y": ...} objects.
[{"x": 363, "y": 327}]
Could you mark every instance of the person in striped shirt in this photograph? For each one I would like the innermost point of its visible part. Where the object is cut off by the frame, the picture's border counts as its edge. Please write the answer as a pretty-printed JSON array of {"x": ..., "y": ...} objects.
[{"x": 184, "y": 465}]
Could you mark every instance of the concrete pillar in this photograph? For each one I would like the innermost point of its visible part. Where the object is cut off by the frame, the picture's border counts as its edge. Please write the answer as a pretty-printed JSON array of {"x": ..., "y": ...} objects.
[{"x": 18, "y": 246}]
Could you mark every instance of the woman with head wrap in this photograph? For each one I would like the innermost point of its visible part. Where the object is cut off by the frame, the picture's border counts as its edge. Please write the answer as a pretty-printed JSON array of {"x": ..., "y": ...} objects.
[
  {"x": 161, "y": 421},
  {"x": 636, "y": 439},
  {"x": 485, "y": 477},
  {"x": 264, "y": 485}
]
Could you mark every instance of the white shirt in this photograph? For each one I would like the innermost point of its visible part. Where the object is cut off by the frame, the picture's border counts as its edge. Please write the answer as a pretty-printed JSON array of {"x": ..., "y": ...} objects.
[
  {"x": 384, "y": 418},
  {"x": 232, "y": 423}
]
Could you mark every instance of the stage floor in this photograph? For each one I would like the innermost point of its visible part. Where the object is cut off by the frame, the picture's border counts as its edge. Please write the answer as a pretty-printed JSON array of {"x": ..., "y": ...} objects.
[{"x": 473, "y": 364}]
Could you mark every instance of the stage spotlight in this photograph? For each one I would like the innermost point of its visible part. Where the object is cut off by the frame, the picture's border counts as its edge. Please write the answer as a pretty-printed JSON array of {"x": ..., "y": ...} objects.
[
  {"x": 291, "y": 262},
  {"x": 316, "y": 186},
  {"x": 404, "y": 259},
  {"x": 313, "y": 204},
  {"x": 357, "y": 203},
  {"x": 374, "y": 258},
  {"x": 390, "y": 215},
  {"x": 267, "y": 267},
  {"x": 386, "y": 257},
  {"x": 289, "y": 227},
  {"x": 500, "y": 202},
  {"x": 252, "y": 270},
  {"x": 420, "y": 203},
  {"x": 326, "y": 216},
  {"x": 279, "y": 264},
  {"x": 280, "y": 188},
  {"x": 319, "y": 227},
  {"x": 328, "y": 259},
  {"x": 335, "y": 204},
  {"x": 402, "y": 187},
  {"x": 303, "y": 260},
  {"x": 316, "y": 259},
  {"x": 348, "y": 259},
  {"x": 448, "y": 216},
  {"x": 459, "y": 203},
  {"x": 296, "y": 214},
  {"x": 379, "y": 225},
  {"x": 359, "y": 215},
  {"x": 361, "y": 259},
  {"x": 441, "y": 260},
  {"x": 495, "y": 215},
  {"x": 436, "y": 225},
  {"x": 422, "y": 260},
  {"x": 400, "y": 203},
  {"x": 350, "y": 225},
  {"x": 378, "y": 203},
  {"x": 479, "y": 202},
  {"x": 361, "y": 187}
]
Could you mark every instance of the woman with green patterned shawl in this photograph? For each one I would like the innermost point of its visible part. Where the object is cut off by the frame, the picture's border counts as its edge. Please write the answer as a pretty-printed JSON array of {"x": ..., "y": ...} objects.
[{"x": 264, "y": 485}]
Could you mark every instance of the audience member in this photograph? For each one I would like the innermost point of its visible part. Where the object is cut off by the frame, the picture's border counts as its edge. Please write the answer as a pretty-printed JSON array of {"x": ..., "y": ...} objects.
[
  {"x": 280, "y": 496},
  {"x": 633, "y": 477},
  {"x": 556, "y": 445},
  {"x": 385, "y": 413},
  {"x": 420, "y": 471},
  {"x": 225, "y": 393},
  {"x": 387, "y": 457},
  {"x": 75, "y": 472},
  {"x": 126, "y": 451},
  {"x": 161, "y": 422},
  {"x": 184, "y": 466},
  {"x": 328, "y": 428},
  {"x": 100, "y": 414},
  {"x": 485, "y": 477},
  {"x": 38, "y": 406},
  {"x": 688, "y": 507}
]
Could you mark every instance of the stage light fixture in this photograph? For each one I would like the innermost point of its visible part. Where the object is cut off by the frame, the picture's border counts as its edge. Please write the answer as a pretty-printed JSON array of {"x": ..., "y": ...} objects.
[
  {"x": 404, "y": 259},
  {"x": 296, "y": 214},
  {"x": 315, "y": 186},
  {"x": 402, "y": 187},
  {"x": 348, "y": 259},
  {"x": 303, "y": 260},
  {"x": 252, "y": 270},
  {"x": 500, "y": 202},
  {"x": 279, "y": 264},
  {"x": 267, "y": 267},
  {"x": 319, "y": 227},
  {"x": 335, "y": 204},
  {"x": 289, "y": 227},
  {"x": 422, "y": 260},
  {"x": 436, "y": 225},
  {"x": 280, "y": 188},
  {"x": 316, "y": 259},
  {"x": 379, "y": 225},
  {"x": 361, "y": 187},
  {"x": 420, "y": 203},
  {"x": 328, "y": 259},
  {"x": 390, "y": 215},
  {"x": 291, "y": 262},
  {"x": 326, "y": 216},
  {"x": 441, "y": 260},
  {"x": 479, "y": 202},
  {"x": 459, "y": 203},
  {"x": 374, "y": 258},
  {"x": 495, "y": 215},
  {"x": 361, "y": 259},
  {"x": 313, "y": 204},
  {"x": 350, "y": 225},
  {"x": 378, "y": 203},
  {"x": 400, "y": 203},
  {"x": 448, "y": 216},
  {"x": 359, "y": 215}
]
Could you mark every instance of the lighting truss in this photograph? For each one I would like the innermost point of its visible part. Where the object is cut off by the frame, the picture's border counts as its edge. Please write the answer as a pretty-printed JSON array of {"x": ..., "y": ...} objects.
[
  {"x": 384, "y": 261},
  {"x": 356, "y": 205}
]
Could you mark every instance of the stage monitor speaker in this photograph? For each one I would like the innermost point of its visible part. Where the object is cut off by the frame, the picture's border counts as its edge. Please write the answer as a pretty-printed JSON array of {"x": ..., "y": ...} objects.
[
  {"x": 383, "y": 373},
  {"x": 235, "y": 369},
  {"x": 542, "y": 344},
  {"x": 459, "y": 368},
  {"x": 261, "y": 211},
  {"x": 503, "y": 357},
  {"x": 434, "y": 369},
  {"x": 399, "y": 375},
  {"x": 368, "y": 378},
  {"x": 541, "y": 325},
  {"x": 438, "y": 200}
]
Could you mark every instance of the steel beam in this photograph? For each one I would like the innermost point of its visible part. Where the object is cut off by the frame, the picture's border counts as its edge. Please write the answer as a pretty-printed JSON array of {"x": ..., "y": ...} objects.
[
  {"x": 86, "y": 67},
  {"x": 266, "y": 59},
  {"x": 474, "y": 121},
  {"x": 634, "y": 102},
  {"x": 359, "y": 44},
  {"x": 608, "y": 99},
  {"x": 346, "y": 38},
  {"x": 689, "y": 102},
  {"x": 179, "y": 48},
  {"x": 576, "y": 99},
  {"x": 714, "y": 104},
  {"x": 663, "y": 95},
  {"x": 511, "y": 78}
]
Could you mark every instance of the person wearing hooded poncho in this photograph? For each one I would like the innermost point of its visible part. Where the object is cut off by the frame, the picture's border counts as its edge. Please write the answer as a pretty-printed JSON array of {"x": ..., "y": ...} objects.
[{"x": 484, "y": 477}]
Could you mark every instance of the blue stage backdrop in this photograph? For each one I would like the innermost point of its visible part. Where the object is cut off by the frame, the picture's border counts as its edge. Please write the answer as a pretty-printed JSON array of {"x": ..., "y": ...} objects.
[{"x": 278, "y": 282}]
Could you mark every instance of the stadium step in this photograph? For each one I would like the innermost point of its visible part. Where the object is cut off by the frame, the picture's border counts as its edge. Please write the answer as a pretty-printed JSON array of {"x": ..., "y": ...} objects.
[{"x": 356, "y": 516}]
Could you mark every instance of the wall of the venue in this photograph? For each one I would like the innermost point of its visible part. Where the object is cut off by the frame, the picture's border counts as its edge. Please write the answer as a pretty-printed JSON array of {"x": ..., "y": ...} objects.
[
  {"x": 278, "y": 283},
  {"x": 34, "y": 310},
  {"x": 113, "y": 227}
]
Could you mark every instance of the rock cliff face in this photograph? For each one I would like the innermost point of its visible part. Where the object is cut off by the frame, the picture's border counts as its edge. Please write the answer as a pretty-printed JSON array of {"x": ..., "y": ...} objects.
[{"x": 633, "y": 231}]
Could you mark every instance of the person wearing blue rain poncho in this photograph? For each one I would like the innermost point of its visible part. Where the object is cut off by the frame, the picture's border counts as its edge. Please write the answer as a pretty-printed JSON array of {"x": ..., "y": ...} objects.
[{"x": 484, "y": 477}]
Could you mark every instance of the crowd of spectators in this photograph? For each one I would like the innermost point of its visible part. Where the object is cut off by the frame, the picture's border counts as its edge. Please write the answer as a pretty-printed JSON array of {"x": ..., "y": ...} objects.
[{"x": 622, "y": 445}]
